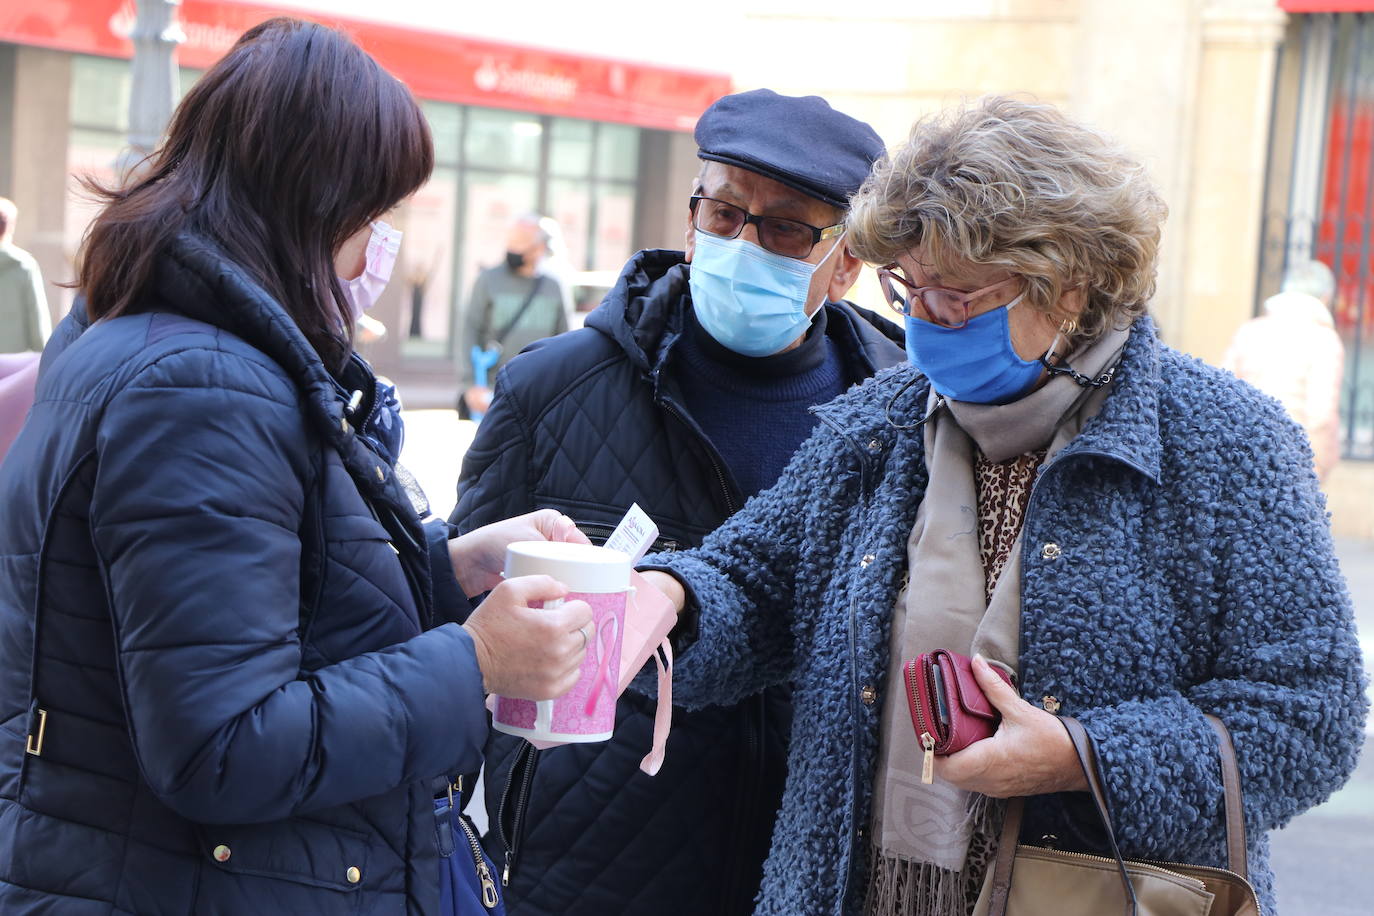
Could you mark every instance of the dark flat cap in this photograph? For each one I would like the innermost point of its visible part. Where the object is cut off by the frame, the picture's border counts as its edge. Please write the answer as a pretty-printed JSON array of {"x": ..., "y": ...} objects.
[{"x": 797, "y": 140}]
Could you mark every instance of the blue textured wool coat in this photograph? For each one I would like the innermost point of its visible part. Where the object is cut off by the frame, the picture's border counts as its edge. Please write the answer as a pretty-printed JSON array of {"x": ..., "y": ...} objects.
[
  {"x": 199, "y": 593},
  {"x": 1177, "y": 561}
]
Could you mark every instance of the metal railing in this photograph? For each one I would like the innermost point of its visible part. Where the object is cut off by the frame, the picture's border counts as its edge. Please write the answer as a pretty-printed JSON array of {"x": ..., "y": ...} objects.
[{"x": 1319, "y": 196}]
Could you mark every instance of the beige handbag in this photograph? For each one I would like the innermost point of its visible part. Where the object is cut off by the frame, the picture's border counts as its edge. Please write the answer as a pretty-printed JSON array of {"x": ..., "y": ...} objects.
[{"x": 1031, "y": 881}]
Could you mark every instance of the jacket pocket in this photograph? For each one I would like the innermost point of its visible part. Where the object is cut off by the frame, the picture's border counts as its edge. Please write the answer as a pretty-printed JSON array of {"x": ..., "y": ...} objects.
[{"x": 297, "y": 850}]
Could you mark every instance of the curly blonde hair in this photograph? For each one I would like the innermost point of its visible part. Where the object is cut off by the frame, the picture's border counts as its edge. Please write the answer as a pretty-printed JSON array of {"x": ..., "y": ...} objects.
[{"x": 1016, "y": 184}]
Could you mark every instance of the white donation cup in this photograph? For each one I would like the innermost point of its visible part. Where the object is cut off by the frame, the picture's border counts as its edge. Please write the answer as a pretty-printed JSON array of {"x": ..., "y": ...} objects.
[{"x": 600, "y": 577}]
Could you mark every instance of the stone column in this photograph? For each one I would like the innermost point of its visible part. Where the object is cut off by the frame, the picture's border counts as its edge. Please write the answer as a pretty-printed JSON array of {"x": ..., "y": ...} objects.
[
  {"x": 156, "y": 36},
  {"x": 1135, "y": 78},
  {"x": 1229, "y": 145},
  {"x": 37, "y": 159}
]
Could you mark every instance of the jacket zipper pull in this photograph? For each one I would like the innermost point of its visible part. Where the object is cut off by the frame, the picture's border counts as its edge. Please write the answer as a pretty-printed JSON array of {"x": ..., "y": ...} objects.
[
  {"x": 928, "y": 759},
  {"x": 505, "y": 872}
]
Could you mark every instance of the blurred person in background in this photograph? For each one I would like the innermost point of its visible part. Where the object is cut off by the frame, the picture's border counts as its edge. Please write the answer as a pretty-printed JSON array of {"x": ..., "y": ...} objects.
[
  {"x": 24, "y": 327},
  {"x": 24, "y": 320},
  {"x": 229, "y": 680},
  {"x": 1292, "y": 352},
  {"x": 687, "y": 392},
  {"x": 512, "y": 305}
]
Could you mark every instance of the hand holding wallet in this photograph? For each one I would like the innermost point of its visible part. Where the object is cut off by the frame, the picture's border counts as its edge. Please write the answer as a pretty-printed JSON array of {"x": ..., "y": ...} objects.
[{"x": 948, "y": 708}]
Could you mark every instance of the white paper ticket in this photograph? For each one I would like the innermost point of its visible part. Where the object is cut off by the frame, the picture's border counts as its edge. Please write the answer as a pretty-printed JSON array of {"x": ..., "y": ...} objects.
[{"x": 634, "y": 535}]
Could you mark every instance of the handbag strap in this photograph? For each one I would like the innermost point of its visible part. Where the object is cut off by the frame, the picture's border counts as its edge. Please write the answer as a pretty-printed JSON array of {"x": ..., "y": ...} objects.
[
  {"x": 1005, "y": 861},
  {"x": 1235, "y": 800},
  {"x": 501, "y": 335}
]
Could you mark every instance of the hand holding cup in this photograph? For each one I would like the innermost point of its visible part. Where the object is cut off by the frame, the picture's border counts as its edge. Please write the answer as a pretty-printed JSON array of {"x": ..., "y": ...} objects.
[{"x": 527, "y": 652}]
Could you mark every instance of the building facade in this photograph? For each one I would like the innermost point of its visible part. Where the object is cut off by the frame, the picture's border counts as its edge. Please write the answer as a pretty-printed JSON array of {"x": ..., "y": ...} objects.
[
  {"x": 1205, "y": 91},
  {"x": 1255, "y": 118},
  {"x": 597, "y": 143}
]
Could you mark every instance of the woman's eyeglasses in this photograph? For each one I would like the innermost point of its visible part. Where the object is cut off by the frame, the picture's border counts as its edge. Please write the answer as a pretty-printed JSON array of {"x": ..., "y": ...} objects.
[
  {"x": 948, "y": 308},
  {"x": 788, "y": 237}
]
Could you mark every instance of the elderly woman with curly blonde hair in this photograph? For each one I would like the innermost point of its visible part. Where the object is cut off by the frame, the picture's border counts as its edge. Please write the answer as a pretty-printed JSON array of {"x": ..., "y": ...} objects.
[{"x": 1138, "y": 536}]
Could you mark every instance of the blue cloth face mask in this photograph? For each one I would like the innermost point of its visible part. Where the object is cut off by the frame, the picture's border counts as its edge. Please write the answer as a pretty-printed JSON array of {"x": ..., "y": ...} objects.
[
  {"x": 976, "y": 363},
  {"x": 750, "y": 300}
]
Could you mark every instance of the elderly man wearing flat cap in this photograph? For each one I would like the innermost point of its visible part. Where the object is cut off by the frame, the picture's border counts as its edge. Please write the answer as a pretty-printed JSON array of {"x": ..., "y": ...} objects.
[{"x": 687, "y": 392}]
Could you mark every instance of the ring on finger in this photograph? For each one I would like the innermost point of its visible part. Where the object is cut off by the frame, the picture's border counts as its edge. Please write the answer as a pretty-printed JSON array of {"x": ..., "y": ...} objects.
[{"x": 582, "y": 631}]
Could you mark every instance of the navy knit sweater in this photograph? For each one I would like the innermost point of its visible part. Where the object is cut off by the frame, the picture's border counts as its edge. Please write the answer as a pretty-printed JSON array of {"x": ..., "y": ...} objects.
[{"x": 754, "y": 410}]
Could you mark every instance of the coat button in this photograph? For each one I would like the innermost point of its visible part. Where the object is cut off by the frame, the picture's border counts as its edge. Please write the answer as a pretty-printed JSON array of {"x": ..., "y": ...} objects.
[
  {"x": 1050, "y": 703},
  {"x": 1051, "y": 551},
  {"x": 353, "y": 875},
  {"x": 869, "y": 695},
  {"x": 222, "y": 853},
  {"x": 867, "y": 558},
  {"x": 874, "y": 445}
]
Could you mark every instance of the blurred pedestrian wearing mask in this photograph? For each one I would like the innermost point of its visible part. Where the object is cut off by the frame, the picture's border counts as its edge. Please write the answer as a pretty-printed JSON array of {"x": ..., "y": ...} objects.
[
  {"x": 1137, "y": 535},
  {"x": 227, "y": 682},
  {"x": 513, "y": 304},
  {"x": 1292, "y": 352}
]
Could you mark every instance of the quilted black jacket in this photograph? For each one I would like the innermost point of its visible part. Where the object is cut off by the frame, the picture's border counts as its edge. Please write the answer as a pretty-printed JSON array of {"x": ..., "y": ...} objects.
[{"x": 589, "y": 422}]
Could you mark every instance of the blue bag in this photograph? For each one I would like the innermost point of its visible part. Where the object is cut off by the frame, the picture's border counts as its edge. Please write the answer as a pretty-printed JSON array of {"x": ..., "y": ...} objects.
[{"x": 467, "y": 880}]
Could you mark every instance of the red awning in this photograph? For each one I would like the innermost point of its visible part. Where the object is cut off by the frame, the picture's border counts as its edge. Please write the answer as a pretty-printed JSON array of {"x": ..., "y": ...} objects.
[{"x": 436, "y": 65}]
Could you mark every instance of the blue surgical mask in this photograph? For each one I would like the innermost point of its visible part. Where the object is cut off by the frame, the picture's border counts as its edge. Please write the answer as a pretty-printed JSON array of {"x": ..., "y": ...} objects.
[
  {"x": 976, "y": 363},
  {"x": 750, "y": 300}
]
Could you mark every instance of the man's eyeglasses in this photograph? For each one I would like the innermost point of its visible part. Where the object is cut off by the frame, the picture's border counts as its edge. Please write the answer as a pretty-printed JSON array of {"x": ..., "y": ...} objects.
[
  {"x": 946, "y": 307},
  {"x": 788, "y": 237}
]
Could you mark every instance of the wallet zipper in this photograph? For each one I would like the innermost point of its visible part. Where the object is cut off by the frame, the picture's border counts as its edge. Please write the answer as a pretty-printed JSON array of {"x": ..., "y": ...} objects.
[{"x": 926, "y": 738}]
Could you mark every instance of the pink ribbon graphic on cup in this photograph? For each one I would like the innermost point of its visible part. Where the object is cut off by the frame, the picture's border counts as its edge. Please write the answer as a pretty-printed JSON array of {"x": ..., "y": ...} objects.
[{"x": 606, "y": 635}]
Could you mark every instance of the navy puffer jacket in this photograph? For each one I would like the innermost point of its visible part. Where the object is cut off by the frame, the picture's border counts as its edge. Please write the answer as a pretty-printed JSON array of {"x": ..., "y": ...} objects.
[
  {"x": 216, "y": 695},
  {"x": 587, "y": 423}
]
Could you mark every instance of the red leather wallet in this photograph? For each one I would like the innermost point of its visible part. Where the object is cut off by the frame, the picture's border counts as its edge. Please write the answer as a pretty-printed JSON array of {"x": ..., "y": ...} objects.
[{"x": 948, "y": 708}]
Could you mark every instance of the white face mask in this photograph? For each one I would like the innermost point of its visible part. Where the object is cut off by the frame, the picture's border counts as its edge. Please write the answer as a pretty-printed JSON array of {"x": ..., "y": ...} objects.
[{"x": 362, "y": 292}]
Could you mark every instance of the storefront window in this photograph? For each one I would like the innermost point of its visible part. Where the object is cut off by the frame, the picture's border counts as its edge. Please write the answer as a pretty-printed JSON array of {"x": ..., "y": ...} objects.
[
  {"x": 503, "y": 140},
  {"x": 493, "y": 167},
  {"x": 572, "y": 147},
  {"x": 570, "y": 204},
  {"x": 618, "y": 152},
  {"x": 615, "y": 207},
  {"x": 426, "y": 266}
]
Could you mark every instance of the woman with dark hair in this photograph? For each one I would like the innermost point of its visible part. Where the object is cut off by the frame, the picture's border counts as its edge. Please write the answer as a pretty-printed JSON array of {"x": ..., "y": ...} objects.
[{"x": 226, "y": 680}]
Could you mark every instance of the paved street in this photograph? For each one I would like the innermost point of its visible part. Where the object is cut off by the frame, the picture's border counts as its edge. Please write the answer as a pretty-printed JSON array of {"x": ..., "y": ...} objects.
[{"x": 1324, "y": 860}]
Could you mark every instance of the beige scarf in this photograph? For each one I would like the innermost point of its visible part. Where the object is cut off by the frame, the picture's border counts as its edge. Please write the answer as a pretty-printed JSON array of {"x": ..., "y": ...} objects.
[{"x": 926, "y": 830}]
